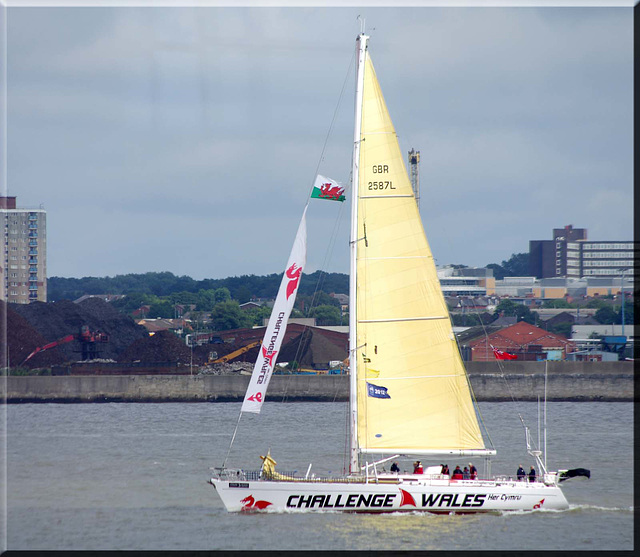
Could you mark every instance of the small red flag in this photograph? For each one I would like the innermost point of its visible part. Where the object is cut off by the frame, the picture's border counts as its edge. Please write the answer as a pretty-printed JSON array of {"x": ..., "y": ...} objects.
[{"x": 500, "y": 355}]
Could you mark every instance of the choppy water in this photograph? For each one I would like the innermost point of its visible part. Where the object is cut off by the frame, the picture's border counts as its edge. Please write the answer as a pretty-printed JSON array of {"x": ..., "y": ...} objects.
[{"x": 133, "y": 476}]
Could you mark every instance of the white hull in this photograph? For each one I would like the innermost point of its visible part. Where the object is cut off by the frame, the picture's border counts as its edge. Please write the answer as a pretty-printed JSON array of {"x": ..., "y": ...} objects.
[{"x": 389, "y": 494}]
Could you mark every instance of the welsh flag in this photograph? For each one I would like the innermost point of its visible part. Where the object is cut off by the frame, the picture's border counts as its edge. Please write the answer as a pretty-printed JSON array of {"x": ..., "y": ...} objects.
[
  {"x": 500, "y": 355},
  {"x": 326, "y": 188}
]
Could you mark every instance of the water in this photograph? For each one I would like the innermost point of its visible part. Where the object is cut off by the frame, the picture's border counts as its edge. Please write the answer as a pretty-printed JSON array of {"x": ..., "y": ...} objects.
[{"x": 132, "y": 477}]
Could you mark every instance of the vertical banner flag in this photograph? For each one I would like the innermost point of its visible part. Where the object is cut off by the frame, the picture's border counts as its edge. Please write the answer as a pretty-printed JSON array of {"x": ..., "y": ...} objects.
[
  {"x": 326, "y": 188},
  {"x": 277, "y": 326}
]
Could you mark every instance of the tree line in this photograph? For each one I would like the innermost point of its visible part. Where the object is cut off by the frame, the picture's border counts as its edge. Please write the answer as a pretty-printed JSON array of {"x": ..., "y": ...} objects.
[
  {"x": 217, "y": 301},
  {"x": 211, "y": 303},
  {"x": 241, "y": 288},
  {"x": 165, "y": 295}
]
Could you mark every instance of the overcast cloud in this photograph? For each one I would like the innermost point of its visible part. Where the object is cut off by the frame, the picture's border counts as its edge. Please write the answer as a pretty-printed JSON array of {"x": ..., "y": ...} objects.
[{"x": 187, "y": 139}]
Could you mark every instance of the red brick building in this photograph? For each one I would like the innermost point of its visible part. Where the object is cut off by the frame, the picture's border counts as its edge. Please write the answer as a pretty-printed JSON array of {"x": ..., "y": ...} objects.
[{"x": 525, "y": 341}]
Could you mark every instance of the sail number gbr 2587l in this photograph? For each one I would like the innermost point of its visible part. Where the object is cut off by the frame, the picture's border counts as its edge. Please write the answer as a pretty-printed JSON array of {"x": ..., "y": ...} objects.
[{"x": 381, "y": 184}]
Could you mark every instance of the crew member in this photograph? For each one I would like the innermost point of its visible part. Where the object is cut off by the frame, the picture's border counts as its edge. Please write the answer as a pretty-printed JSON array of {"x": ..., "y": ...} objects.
[{"x": 473, "y": 472}]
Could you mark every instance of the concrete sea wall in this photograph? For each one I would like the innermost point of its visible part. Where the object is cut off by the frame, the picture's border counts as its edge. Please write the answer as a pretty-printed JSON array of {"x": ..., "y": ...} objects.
[{"x": 569, "y": 381}]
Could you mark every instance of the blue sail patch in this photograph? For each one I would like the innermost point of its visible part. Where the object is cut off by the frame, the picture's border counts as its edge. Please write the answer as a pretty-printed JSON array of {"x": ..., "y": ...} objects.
[{"x": 377, "y": 392}]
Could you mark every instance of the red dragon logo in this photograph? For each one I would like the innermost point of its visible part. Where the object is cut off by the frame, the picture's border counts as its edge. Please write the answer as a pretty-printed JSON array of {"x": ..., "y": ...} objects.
[
  {"x": 538, "y": 505},
  {"x": 327, "y": 191},
  {"x": 250, "y": 504},
  {"x": 293, "y": 274},
  {"x": 256, "y": 398},
  {"x": 269, "y": 357}
]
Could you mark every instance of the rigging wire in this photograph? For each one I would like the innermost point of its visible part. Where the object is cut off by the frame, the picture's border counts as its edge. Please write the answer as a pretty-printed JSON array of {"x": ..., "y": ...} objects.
[
  {"x": 334, "y": 234},
  {"x": 473, "y": 397},
  {"x": 514, "y": 399},
  {"x": 233, "y": 437},
  {"x": 499, "y": 362},
  {"x": 329, "y": 250}
]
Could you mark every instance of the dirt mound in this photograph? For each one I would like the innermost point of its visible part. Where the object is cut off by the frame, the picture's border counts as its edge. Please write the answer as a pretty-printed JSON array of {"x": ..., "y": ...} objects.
[
  {"x": 22, "y": 339},
  {"x": 39, "y": 323},
  {"x": 163, "y": 346},
  {"x": 55, "y": 320}
]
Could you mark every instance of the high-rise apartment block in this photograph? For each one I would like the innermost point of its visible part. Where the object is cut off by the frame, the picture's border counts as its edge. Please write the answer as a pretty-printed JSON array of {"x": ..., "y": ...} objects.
[
  {"x": 23, "y": 270},
  {"x": 570, "y": 254}
]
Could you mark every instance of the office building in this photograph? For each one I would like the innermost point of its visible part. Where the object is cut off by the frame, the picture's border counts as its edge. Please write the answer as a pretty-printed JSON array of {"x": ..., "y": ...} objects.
[
  {"x": 600, "y": 259},
  {"x": 23, "y": 271},
  {"x": 571, "y": 255},
  {"x": 466, "y": 281}
]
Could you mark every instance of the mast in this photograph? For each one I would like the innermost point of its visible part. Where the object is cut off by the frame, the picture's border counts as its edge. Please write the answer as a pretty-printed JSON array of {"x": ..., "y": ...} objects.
[{"x": 361, "y": 47}]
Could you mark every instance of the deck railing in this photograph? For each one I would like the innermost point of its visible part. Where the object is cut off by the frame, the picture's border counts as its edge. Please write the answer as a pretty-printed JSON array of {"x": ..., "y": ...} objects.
[{"x": 242, "y": 475}]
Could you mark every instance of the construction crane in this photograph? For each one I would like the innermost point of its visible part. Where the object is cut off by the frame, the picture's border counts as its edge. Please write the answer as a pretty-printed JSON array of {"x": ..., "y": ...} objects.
[
  {"x": 235, "y": 353},
  {"x": 87, "y": 338}
]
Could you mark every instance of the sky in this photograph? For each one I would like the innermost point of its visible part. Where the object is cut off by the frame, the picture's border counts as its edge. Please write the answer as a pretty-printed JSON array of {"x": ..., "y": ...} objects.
[{"x": 186, "y": 139}]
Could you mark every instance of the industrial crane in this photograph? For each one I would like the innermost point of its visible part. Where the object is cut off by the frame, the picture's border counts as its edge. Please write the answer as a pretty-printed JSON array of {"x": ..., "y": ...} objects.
[
  {"x": 87, "y": 338},
  {"x": 235, "y": 353}
]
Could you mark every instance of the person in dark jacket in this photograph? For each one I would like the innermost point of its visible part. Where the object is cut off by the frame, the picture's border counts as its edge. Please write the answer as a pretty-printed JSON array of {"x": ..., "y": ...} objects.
[
  {"x": 473, "y": 471},
  {"x": 445, "y": 469},
  {"x": 532, "y": 475},
  {"x": 395, "y": 467},
  {"x": 521, "y": 474},
  {"x": 457, "y": 473}
]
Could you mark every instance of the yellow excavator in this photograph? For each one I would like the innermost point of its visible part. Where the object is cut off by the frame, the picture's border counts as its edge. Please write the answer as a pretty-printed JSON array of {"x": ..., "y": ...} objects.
[{"x": 235, "y": 353}]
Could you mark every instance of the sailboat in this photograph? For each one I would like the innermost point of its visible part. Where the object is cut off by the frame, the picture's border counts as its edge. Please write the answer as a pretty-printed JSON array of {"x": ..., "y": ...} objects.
[{"x": 409, "y": 391}]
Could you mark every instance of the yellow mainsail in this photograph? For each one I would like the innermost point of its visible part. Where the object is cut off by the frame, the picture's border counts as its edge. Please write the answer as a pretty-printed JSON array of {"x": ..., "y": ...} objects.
[{"x": 412, "y": 390}]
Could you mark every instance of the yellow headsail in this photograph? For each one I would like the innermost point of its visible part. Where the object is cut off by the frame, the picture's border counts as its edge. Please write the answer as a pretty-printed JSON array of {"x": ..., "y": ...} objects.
[{"x": 413, "y": 393}]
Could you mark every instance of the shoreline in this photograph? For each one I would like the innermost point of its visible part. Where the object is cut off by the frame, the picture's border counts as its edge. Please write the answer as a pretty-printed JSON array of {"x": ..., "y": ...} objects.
[{"x": 525, "y": 381}]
